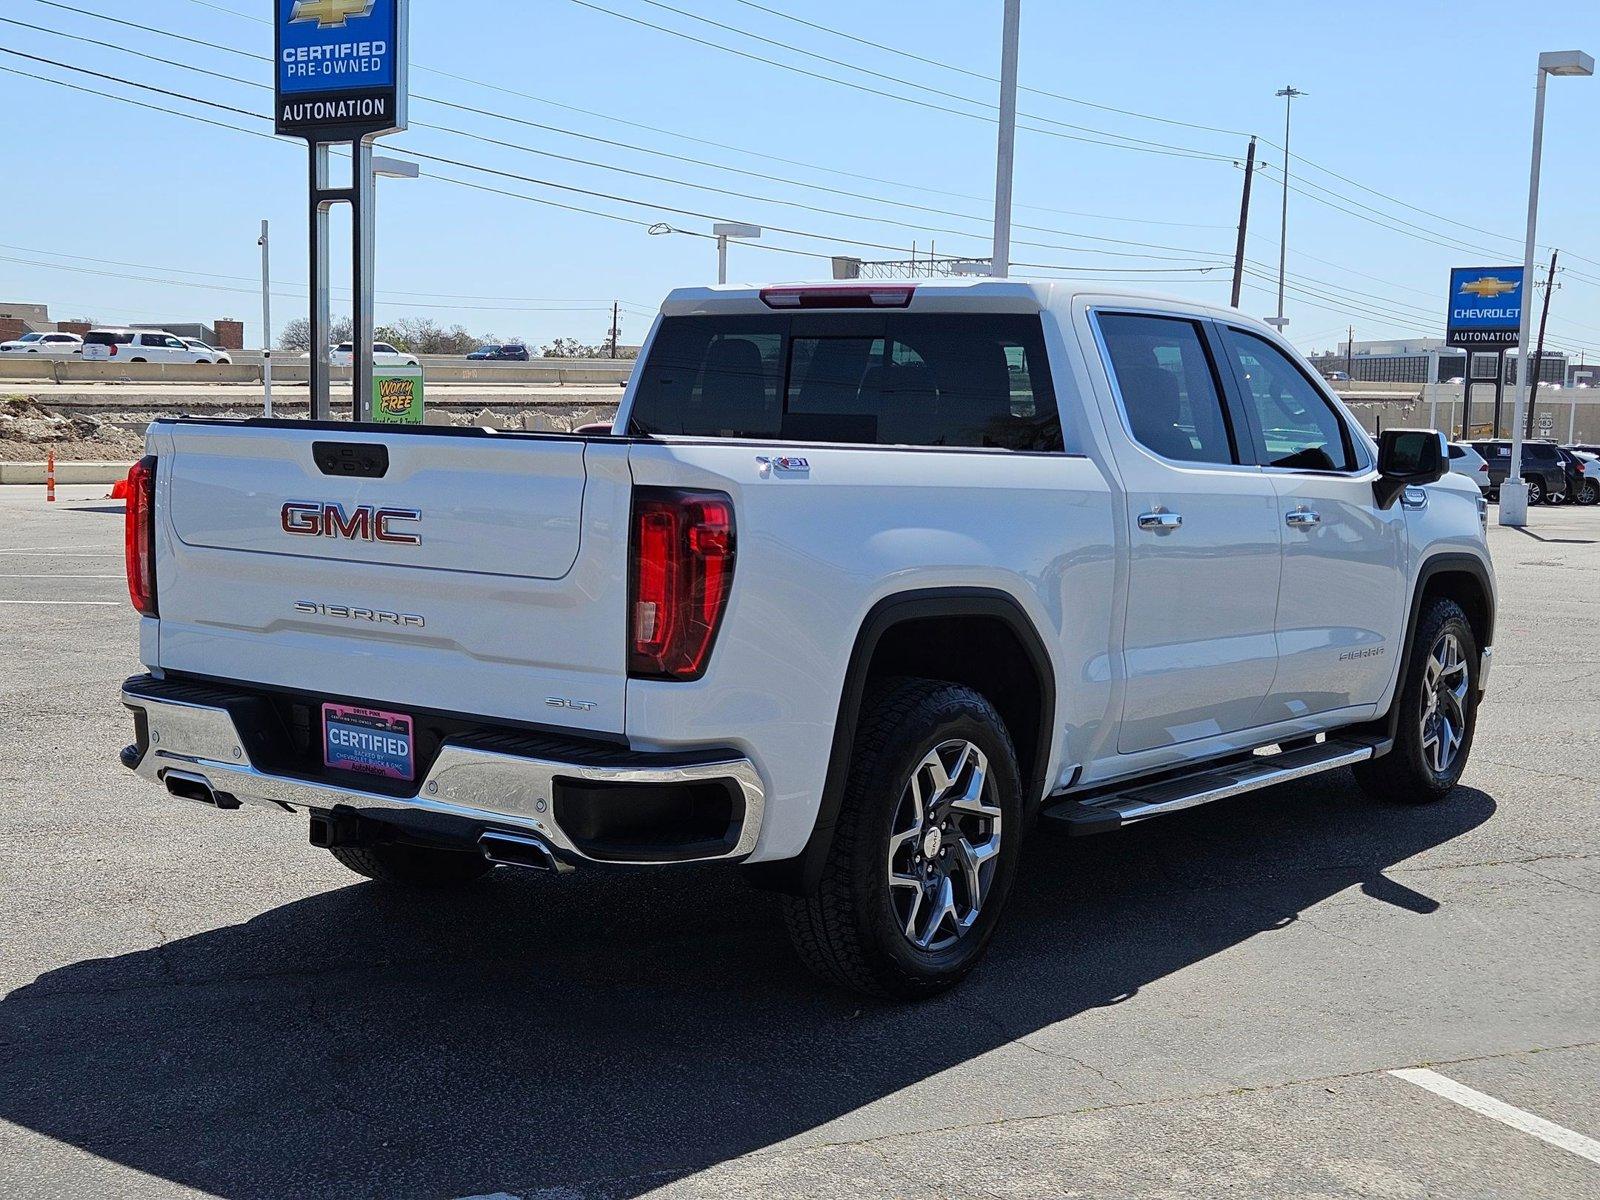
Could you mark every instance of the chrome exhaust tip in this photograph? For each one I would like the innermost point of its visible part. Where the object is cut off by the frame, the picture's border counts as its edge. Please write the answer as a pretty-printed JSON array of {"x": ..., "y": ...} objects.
[
  {"x": 186, "y": 786},
  {"x": 520, "y": 850}
]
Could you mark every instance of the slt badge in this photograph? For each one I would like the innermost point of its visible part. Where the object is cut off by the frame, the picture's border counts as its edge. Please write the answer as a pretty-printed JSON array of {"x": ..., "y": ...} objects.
[{"x": 766, "y": 464}]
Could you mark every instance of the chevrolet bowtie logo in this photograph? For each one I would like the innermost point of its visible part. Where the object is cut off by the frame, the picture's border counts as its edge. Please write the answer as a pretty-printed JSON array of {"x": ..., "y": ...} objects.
[
  {"x": 328, "y": 13},
  {"x": 1487, "y": 287}
]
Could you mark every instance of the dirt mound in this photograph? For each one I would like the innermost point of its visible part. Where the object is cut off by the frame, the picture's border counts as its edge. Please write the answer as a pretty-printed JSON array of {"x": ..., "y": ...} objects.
[{"x": 28, "y": 431}]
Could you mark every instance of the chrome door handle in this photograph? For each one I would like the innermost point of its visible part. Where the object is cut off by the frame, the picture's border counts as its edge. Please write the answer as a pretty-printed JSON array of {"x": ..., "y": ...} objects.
[
  {"x": 1160, "y": 521},
  {"x": 1302, "y": 518}
]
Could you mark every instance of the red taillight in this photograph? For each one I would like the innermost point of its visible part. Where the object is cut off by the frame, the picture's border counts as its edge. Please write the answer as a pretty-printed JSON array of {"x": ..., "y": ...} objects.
[
  {"x": 139, "y": 535},
  {"x": 837, "y": 297},
  {"x": 682, "y": 570}
]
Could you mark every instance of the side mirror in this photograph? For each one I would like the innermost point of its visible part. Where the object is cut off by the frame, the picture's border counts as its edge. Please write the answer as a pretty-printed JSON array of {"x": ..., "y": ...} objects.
[{"x": 1408, "y": 458}]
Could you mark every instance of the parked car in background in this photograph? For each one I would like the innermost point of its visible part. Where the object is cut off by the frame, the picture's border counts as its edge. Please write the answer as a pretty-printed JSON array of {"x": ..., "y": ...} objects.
[
  {"x": 509, "y": 352},
  {"x": 1337, "y": 377},
  {"x": 383, "y": 355},
  {"x": 1464, "y": 460},
  {"x": 52, "y": 345},
  {"x": 211, "y": 353},
  {"x": 1549, "y": 477},
  {"x": 140, "y": 346},
  {"x": 1589, "y": 464}
]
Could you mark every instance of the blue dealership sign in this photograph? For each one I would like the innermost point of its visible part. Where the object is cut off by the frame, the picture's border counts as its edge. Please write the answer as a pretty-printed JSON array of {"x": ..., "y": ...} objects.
[
  {"x": 1485, "y": 307},
  {"x": 340, "y": 68}
]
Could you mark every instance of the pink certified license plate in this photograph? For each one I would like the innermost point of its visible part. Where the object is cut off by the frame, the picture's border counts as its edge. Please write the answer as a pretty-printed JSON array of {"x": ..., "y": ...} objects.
[{"x": 368, "y": 740}]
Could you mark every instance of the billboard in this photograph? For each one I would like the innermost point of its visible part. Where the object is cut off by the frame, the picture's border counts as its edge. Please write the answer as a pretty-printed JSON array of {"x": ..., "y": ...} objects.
[
  {"x": 339, "y": 68},
  {"x": 1485, "y": 307}
]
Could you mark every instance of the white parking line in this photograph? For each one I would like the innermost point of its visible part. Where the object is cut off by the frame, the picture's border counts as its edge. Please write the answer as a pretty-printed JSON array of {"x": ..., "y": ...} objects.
[
  {"x": 61, "y": 576},
  {"x": 59, "y": 552},
  {"x": 106, "y": 603},
  {"x": 1499, "y": 1110}
]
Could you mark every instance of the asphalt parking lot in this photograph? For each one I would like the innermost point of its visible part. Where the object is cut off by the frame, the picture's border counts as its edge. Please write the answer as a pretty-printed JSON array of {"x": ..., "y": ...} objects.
[{"x": 198, "y": 1003}]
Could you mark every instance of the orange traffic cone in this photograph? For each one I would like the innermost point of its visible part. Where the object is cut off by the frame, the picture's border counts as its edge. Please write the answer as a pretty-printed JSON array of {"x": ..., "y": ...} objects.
[{"x": 50, "y": 477}]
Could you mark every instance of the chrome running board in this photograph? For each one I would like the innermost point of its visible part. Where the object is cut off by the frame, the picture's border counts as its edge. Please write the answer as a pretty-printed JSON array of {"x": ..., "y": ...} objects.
[{"x": 1129, "y": 803}]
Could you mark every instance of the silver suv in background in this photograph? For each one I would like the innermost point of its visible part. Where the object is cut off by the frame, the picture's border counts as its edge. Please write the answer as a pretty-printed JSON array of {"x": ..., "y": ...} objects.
[{"x": 142, "y": 346}]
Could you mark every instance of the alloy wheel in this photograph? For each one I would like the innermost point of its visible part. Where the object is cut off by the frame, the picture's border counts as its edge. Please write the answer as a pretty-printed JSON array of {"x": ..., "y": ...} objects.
[
  {"x": 1445, "y": 683},
  {"x": 944, "y": 845}
]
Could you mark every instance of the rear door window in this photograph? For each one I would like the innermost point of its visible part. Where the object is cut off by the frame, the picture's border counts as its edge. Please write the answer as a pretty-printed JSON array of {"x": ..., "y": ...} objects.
[
  {"x": 949, "y": 380},
  {"x": 1168, "y": 387}
]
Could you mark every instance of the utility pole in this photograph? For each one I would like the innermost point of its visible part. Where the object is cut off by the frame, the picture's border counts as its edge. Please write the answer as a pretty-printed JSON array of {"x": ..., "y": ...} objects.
[
  {"x": 1349, "y": 352},
  {"x": 613, "y": 329},
  {"x": 266, "y": 325},
  {"x": 1244, "y": 221},
  {"x": 1538, "y": 354},
  {"x": 1288, "y": 93},
  {"x": 1005, "y": 150}
]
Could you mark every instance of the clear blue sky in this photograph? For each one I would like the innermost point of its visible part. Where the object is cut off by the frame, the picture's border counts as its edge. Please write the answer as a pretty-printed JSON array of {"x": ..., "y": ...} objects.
[{"x": 1426, "y": 103}]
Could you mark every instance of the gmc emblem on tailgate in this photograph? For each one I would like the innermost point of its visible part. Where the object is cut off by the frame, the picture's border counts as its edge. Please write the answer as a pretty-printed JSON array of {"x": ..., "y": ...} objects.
[{"x": 364, "y": 523}]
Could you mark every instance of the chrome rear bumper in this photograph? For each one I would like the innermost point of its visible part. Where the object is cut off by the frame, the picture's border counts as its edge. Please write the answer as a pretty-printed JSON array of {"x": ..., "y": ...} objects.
[{"x": 187, "y": 735}]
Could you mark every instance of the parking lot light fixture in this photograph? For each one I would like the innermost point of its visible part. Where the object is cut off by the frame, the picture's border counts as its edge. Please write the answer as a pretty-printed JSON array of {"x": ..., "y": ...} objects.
[
  {"x": 1514, "y": 492},
  {"x": 723, "y": 230}
]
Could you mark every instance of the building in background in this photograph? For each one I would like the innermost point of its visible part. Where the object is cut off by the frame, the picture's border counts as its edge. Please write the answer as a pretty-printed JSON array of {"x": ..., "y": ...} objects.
[{"x": 1425, "y": 360}]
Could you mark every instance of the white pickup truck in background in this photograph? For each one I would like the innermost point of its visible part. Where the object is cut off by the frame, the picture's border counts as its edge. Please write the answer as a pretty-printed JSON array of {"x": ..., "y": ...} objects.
[{"x": 868, "y": 582}]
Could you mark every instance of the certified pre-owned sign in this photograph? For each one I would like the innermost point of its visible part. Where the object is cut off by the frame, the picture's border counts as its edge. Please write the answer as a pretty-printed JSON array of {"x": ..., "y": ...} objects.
[
  {"x": 340, "y": 68},
  {"x": 1485, "y": 307}
]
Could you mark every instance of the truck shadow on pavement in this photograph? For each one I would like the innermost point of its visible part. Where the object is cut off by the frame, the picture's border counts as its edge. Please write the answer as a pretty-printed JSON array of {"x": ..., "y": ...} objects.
[{"x": 609, "y": 1034}]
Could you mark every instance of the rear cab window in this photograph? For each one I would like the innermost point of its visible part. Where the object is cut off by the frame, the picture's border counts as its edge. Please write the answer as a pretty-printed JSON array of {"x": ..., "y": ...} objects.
[
  {"x": 1168, "y": 387},
  {"x": 957, "y": 380}
]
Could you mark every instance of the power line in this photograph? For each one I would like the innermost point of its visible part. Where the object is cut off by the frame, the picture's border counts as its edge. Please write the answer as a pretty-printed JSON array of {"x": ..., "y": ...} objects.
[
  {"x": 652, "y": 205},
  {"x": 1186, "y": 251},
  {"x": 1300, "y": 158},
  {"x": 1127, "y": 144},
  {"x": 1136, "y": 142},
  {"x": 620, "y": 145},
  {"x": 932, "y": 62}
]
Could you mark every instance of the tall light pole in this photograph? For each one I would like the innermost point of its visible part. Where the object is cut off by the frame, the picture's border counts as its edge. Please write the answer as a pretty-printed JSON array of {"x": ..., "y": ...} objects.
[
  {"x": 1288, "y": 93},
  {"x": 367, "y": 168},
  {"x": 266, "y": 324},
  {"x": 1514, "y": 492},
  {"x": 1005, "y": 148},
  {"x": 723, "y": 230}
]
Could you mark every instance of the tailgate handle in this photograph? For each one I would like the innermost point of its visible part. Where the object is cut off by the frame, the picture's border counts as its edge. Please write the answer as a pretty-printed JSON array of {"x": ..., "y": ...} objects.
[{"x": 365, "y": 460}]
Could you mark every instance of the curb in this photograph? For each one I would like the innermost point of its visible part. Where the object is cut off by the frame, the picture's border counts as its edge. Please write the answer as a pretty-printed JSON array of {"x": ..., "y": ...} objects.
[{"x": 67, "y": 471}]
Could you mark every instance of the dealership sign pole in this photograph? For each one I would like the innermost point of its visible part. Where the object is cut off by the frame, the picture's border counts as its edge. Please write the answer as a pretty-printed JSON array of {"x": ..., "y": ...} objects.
[
  {"x": 340, "y": 77},
  {"x": 1485, "y": 314}
]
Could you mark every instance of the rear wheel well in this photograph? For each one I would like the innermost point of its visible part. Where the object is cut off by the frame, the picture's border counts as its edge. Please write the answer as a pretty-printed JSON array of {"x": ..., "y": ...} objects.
[
  {"x": 980, "y": 652},
  {"x": 978, "y": 637}
]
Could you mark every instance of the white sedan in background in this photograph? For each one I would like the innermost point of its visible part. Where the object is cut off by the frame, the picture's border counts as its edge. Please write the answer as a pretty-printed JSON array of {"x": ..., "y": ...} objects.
[
  {"x": 383, "y": 355},
  {"x": 208, "y": 353},
  {"x": 52, "y": 345},
  {"x": 1464, "y": 460}
]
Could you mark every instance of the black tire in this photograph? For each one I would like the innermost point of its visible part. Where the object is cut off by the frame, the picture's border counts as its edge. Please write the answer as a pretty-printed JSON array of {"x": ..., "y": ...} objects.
[
  {"x": 1590, "y": 494},
  {"x": 413, "y": 866},
  {"x": 1535, "y": 490},
  {"x": 136, "y": 360},
  {"x": 847, "y": 931},
  {"x": 1408, "y": 774}
]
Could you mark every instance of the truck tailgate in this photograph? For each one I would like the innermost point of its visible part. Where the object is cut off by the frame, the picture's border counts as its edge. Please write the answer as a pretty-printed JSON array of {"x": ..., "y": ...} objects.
[{"x": 472, "y": 572}]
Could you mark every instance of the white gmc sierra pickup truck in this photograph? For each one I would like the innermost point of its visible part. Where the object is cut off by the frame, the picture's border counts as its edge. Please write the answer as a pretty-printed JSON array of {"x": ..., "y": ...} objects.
[{"x": 865, "y": 584}]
